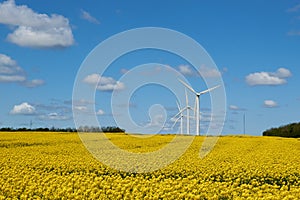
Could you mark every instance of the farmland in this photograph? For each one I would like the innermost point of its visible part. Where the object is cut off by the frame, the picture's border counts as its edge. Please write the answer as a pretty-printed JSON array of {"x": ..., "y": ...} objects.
[{"x": 39, "y": 165}]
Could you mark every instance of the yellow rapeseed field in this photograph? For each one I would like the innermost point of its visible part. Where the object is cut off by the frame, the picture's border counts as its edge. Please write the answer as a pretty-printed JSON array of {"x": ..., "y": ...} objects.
[{"x": 35, "y": 165}]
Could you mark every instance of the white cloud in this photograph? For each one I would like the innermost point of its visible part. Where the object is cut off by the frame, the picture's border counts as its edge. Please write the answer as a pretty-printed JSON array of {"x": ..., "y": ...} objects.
[
  {"x": 103, "y": 83},
  {"x": 87, "y": 16},
  {"x": 264, "y": 78},
  {"x": 100, "y": 112},
  {"x": 268, "y": 78},
  {"x": 233, "y": 107},
  {"x": 34, "y": 83},
  {"x": 23, "y": 109},
  {"x": 81, "y": 108},
  {"x": 270, "y": 104},
  {"x": 186, "y": 70},
  {"x": 86, "y": 110},
  {"x": 92, "y": 79},
  {"x": 52, "y": 107},
  {"x": 207, "y": 72},
  {"x": 114, "y": 85},
  {"x": 79, "y": 102},
  {"x": 283, "y": 73},
  {"x": 12, "y": 78},
  {"x": 31, "y": 29},
  {"x": 236, "y": 108},
  {"x": 11, "y": 72},
  {"x": 124, "y": 71},
  {"x": 8, "y": 65},
  {"x": 157, "y": 121},
  {"x": 54, "y": 116}
]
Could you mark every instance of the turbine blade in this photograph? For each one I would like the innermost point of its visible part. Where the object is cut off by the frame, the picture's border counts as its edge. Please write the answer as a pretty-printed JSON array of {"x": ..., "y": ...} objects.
[
  {"x": 186, "y": 98},
  {"x": 178, "y": 106},
  {"x": 187, "y": 86},
  {"x": 210, "y": 89},
  {"x": 184, "y": 109},
  {"x": 175, "y": 122},
  {"x": 180, "y": 112}
]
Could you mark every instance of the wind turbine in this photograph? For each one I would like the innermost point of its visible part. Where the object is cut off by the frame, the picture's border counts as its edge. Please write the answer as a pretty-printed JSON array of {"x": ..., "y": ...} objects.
[
  {"x": 187, "y": 108},
  {"x": 180, "y": 113},
  {"x": 197, "y": 107}
]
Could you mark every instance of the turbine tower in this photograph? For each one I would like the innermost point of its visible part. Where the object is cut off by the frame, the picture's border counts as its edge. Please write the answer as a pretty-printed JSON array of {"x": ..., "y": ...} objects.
[
  {"x": 197, "y": 106},
  {"x": 188, "y": 108}
]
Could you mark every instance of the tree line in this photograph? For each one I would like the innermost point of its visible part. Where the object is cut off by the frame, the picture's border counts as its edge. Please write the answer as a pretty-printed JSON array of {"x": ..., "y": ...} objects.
[
  {"x": 107, "y": 129},
  {"x": 290, "y": 130}
]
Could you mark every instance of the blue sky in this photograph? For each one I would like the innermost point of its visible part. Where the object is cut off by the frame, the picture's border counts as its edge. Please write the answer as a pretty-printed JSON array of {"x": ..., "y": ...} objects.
[{"x": 255, "y": 45}]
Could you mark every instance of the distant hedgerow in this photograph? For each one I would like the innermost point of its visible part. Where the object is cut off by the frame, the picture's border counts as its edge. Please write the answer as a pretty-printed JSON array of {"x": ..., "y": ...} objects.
[{"x": 290, "y": 130}]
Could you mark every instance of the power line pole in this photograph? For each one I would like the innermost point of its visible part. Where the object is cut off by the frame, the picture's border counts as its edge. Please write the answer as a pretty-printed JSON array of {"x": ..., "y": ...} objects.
[{"x": 244, "y": 123}]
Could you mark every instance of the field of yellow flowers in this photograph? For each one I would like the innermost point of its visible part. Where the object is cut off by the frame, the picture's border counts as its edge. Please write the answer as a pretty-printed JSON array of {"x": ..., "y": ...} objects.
[{"x": 36, "y": 165}]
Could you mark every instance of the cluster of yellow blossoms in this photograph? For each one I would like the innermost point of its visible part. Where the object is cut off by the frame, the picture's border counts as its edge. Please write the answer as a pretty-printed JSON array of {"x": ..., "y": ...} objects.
[{"x": 37, "y": 165}]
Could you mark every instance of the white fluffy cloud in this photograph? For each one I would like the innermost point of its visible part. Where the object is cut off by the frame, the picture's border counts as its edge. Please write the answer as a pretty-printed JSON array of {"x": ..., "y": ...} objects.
[
  {"x": 268, "y": 78},
  {"x": 81, "y": 108},
  {"x": 31, "y": 29},
  {"x": 92, "y": 79},
  {"x": 205, "y": 71},
  {"x": 87, "y": 16},
  {"x": 8, "y": 65},
  {"x": 100, "y": 112},
  {"x": 283, "y": 73},
  {"x": 264, "y": 78},
  {"x": 33, "y": 83},
  {"x": 158, "y": 120},
  {"x": 11, "y": 72},
  {"x": 233, "y": 107},
  {"x": 124, "y": 71},
  {"x": 236, "y": 108},
  {"x": 103, "y": 83},
  {"x": 12, "y": 78},
  {"x": 186, "y": 70},
  {"x": 270, "y": 104},
  {"x": 23, "y": 109},
  {"x": 54, "y": 116}
]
